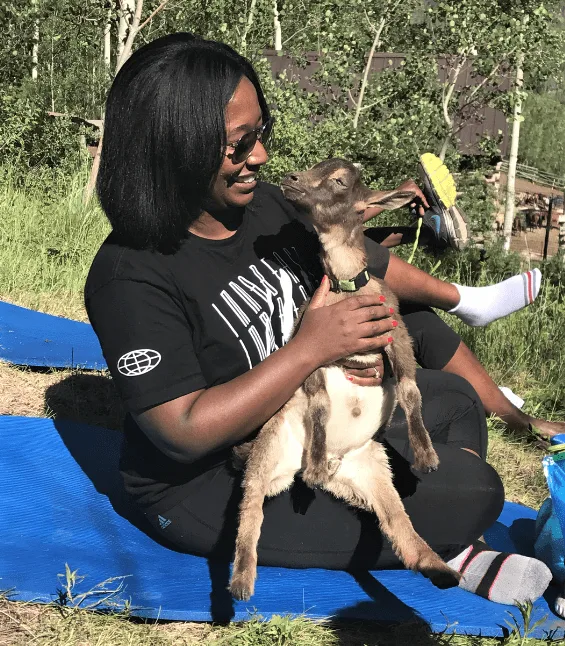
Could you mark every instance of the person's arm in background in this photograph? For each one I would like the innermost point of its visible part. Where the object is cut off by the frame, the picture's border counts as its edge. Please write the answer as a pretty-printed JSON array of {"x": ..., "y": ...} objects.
[
  {"x": 408, "y": 185},
  {"x": 410, "y": 283}
]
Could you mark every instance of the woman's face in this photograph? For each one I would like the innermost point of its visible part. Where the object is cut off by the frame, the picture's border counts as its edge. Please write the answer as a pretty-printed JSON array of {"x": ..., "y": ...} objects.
[{"x": 235, "y": 183}]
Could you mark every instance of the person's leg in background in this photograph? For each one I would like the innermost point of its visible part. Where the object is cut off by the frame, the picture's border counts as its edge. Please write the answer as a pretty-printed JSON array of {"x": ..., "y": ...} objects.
[{"x": 438, "y": 347}]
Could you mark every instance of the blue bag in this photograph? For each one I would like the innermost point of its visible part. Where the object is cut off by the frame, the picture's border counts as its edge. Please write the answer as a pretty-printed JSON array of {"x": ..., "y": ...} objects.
[{"x": 550, "y": 523}]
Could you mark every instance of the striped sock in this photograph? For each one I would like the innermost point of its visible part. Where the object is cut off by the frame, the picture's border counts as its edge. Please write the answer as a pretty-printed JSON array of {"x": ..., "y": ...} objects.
[
  {"x": 482, "y": 305},
  {"x": 500, "y": 577}
]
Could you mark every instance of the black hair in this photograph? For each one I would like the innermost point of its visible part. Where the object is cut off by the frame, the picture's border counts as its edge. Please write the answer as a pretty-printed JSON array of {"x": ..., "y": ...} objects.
[{"x": 164, "y": 136}]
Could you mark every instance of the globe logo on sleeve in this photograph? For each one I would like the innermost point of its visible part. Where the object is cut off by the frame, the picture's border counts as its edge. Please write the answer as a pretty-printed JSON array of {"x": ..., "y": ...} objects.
[{"x": 138, "y": 362}]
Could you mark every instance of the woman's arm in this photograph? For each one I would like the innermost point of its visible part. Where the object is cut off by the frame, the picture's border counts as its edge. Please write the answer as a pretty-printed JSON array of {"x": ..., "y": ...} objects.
[
  {"x": 191, "y": 426},
  {"x": 412, "y": 284}
]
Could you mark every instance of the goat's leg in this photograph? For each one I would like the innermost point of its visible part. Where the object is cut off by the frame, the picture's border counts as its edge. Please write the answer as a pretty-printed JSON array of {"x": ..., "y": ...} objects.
[
  {"x": 364, "y": 480},
  {"x": 401, "y": 356},
  {"x": 264, "y": 476},
  {"x": 315, "y": 469}
]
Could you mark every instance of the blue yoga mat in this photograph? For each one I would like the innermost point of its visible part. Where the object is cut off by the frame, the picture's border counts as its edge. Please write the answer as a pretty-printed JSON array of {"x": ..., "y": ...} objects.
[
  {"x": 61, "y": 502},
  {"x": 31, "y": 338}
]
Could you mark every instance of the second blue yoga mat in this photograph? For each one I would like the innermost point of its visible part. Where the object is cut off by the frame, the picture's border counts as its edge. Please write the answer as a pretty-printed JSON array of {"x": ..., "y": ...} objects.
[{"x": 31, "y": 338}]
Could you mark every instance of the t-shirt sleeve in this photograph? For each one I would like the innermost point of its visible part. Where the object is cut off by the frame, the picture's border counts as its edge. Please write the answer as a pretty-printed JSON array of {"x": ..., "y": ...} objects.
[
  {"x": 378, "y": 258},
  {"x": 147, "y": 343}
]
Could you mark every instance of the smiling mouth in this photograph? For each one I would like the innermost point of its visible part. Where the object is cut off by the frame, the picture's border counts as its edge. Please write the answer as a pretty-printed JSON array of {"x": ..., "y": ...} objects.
[{"x": 249, "y": 180}]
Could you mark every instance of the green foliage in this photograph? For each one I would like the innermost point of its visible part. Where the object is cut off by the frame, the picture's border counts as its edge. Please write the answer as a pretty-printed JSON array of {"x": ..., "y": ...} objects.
[
  {"x": 402, "y": 110},
  {"x": 553, "y": 270},
  {"x": 477, "y": 200},
  {"x": 278, "y": 631},
  {"x": 391, "y": 135},
  {"x": 30, "y": 138},
  {"x": 542, "y": 137},
  {"x": 475, "y": 266}
]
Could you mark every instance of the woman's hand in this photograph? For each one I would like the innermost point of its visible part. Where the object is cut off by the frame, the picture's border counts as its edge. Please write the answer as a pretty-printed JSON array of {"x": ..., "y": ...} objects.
[
  {"x": 372, "y": 376},
  {"x": 410, "y": 185},
  {"x": 357, "y": 324}
]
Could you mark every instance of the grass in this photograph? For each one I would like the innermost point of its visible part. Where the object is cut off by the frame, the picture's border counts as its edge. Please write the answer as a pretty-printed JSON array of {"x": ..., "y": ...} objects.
[
  {"x": 47, "y": 244},
  {"x": 46, "y": 247}
]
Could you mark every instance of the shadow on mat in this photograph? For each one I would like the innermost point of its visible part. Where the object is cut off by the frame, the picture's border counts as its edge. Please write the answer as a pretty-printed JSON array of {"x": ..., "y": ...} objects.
[
  {"x": 87, "y": 398},
  {"x": 93, "y": 400}
]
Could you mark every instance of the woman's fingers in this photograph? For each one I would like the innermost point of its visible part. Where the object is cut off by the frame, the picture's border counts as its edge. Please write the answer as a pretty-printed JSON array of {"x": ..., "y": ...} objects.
[
  {"x": 374, "y": 313},
  {"x": 372, "y": 376},
  {"x": 319, "y": 297},
  {"x": 360, "y": 380},
  {"x": 375, "y": 343},
  {"x": 365, "y": 376},
  {"x": 376, "y": 328}
]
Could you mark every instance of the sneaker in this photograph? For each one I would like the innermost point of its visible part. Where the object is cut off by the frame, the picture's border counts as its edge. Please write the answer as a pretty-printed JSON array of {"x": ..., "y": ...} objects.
[{"x": 447, "y": 221}]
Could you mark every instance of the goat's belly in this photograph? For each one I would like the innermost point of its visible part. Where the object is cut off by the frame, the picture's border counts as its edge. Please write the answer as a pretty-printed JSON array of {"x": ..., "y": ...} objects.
[{"x": 356, "y": 412}]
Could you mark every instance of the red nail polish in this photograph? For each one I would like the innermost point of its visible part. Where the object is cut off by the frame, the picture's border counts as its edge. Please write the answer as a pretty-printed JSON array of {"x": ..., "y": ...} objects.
[
  {"x": 391, "y": 310},
  {"x": 394, "y": 323},
  {"x": 349, "y": 377},
  {"x": 382, "y": 299},
  {"x": 389, "y": 340}
]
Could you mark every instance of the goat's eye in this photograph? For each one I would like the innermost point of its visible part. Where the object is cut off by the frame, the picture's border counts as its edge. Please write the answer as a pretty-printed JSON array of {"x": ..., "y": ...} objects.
[{"x": 339, "y": 181}]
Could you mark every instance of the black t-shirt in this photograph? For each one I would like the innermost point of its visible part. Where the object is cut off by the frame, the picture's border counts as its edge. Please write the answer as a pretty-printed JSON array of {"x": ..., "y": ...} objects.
[{"x": 173, "y": 324}]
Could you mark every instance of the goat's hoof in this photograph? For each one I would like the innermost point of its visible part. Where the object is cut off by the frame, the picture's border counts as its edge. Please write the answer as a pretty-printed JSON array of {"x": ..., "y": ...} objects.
[
  {"x": 437, "y": 571},
  {"x": 444, "y": 578},
  {"x": 240, "y": 588},
  {"x": 427, "y": 463}
]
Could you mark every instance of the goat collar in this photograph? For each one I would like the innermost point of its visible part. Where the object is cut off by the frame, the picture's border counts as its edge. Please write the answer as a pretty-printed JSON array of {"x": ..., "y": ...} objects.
[{"x": 351, "y": 285}]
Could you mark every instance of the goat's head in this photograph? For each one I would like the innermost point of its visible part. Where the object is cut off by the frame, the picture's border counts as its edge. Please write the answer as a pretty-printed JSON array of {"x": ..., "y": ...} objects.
[{"x": 332, "y": 193}]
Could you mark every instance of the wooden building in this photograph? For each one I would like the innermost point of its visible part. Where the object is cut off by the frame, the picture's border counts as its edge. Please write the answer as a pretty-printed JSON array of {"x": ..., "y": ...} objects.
[{"x": 489, "y": 120}]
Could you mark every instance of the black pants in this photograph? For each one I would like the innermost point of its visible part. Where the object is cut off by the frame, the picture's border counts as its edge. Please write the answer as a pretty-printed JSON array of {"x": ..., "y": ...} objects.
[
  {"x": 304, "y": 528},
  {"x": 434, "y": 341}
]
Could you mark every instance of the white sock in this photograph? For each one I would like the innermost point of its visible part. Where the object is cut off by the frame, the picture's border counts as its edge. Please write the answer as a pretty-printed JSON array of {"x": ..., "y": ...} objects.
[
  {"x": 482, "y": 305},
  {"x": 560, "y": 605},
  {"x": 513, "y": 397},
  {"x": 502, "y": 578}
]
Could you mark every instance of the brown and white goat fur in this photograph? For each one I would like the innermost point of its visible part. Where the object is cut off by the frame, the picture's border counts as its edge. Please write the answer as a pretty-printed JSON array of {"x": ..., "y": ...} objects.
[{"x": 326, "y": 430}]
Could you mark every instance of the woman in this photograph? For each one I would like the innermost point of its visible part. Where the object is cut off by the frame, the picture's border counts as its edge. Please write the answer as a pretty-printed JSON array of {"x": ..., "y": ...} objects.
[{"x": 193, "y": 296}]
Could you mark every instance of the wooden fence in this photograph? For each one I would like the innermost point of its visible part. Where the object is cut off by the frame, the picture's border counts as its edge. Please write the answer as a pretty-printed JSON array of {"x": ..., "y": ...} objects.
[{"x": 536, "y": 176}]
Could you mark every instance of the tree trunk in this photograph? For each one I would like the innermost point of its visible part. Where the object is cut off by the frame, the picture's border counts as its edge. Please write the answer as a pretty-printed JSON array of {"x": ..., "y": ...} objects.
[
  {"x": 444, "y": 147},
  {"x": 277, "y": 25},
  {"x": 132, "y": 28},
  {"x": 35, "y": 50},
  {"x": 89, "y": 190},
  {"x": 445, "y": 107},
  {"x": 108, "y": 42},
  {"x": 126, "y": 12},
  {"x": 561, "y": 248},
  {"x": 132, "y": 32},
  {"x": 250, "y": 16},
  {"x": 513, "y": 159},
  {"x": 376, "y": 43}
]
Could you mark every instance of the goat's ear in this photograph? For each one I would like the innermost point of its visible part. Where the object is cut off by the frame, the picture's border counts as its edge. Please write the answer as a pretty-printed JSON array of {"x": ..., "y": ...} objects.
[{"x": 390, "y": 200}]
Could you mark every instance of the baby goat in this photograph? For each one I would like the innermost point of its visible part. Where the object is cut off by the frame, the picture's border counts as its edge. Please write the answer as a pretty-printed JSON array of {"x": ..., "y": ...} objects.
[{"x": 326, "y": 430}]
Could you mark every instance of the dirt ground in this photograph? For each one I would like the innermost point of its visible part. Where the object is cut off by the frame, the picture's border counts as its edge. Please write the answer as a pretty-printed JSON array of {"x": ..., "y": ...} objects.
[
  {"x": 530, "y": 243},
  {"x": 88, "y": 397}
]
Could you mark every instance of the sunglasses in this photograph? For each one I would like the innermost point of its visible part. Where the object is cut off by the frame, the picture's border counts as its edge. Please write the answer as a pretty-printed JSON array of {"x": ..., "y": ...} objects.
[{"x": 243, "y": 147}]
